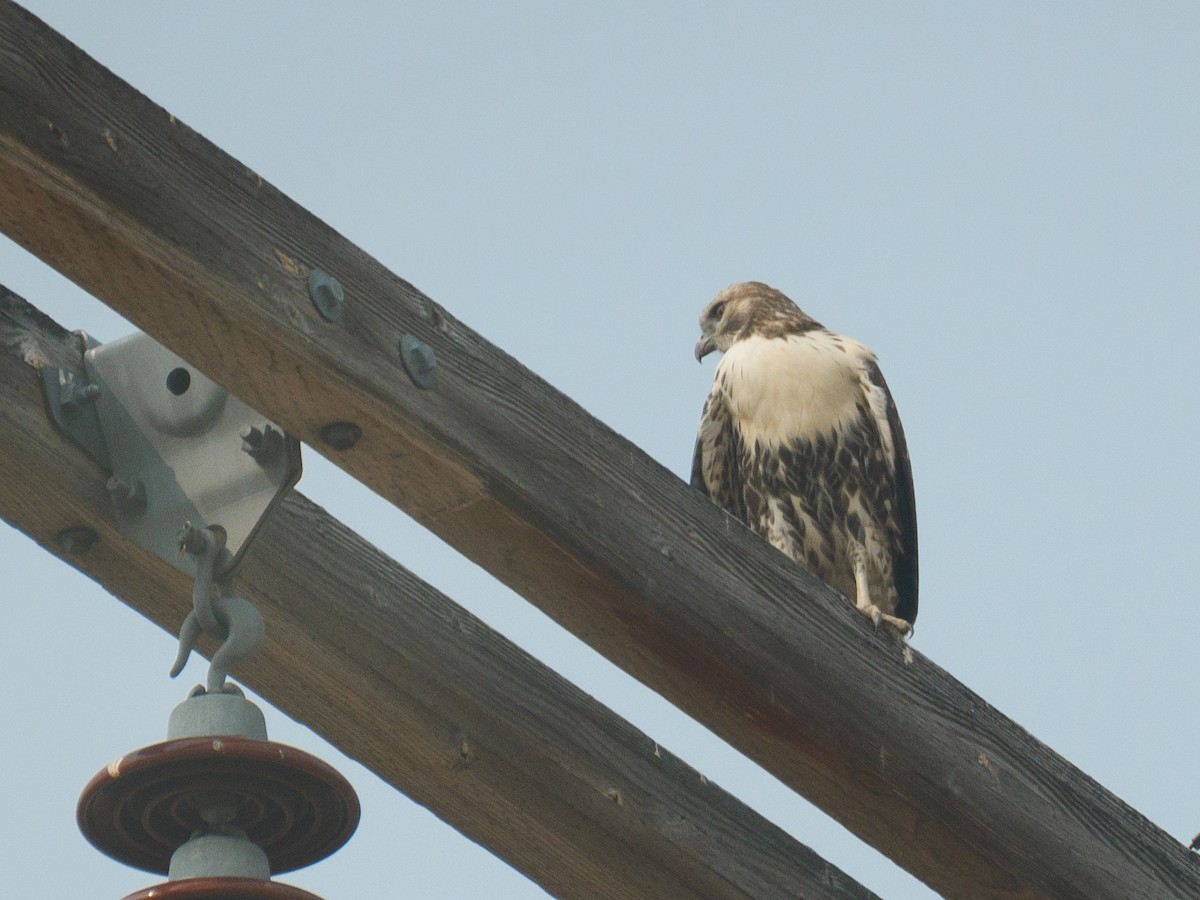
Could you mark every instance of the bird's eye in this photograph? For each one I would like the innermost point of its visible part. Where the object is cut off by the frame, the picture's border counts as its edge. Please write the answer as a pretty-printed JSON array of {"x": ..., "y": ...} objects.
[{"x": 717, "y": 312}]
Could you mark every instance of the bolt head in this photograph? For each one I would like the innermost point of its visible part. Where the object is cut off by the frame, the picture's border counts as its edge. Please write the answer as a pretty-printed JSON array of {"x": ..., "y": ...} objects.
[
  {"x": 130, "y": 497},
  {"x": 328, "y": 295},
  {"x": 76, "y": 540},
  {"x": 420, "y": 362},
  {"x": 341, "y": 435}
]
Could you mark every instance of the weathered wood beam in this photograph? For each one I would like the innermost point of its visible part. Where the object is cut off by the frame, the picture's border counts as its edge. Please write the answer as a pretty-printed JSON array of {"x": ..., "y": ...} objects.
[
  {"x": 415, "y": 687},
  {"x": 211, "y": 260}
]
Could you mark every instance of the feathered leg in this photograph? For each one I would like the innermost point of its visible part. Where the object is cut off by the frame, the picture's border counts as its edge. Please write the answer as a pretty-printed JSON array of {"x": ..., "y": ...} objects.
[{"x": 863, "y": 602}]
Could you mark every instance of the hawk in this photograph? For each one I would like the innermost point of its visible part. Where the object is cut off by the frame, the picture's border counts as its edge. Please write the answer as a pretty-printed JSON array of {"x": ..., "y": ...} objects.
[{"x": 800, "y": 439}]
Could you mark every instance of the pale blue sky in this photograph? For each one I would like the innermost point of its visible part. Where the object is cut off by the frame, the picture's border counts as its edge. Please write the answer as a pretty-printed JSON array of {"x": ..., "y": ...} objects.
[{"x": 1002, "y": 199}]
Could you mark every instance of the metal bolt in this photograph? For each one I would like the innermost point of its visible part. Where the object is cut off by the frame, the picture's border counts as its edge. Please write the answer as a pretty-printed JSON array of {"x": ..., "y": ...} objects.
[
  {"x": 328, "y": 295},
  {"x": 263, "y": 442},
  {"x": 419, "y": 360},
  {"x": 130, "y": 496},
  {"x": 76, "y": 540},
  {"x": 75, "y": 396},
  {"x": 191, "y": 539},
  {"x": 341, "y": 435}
]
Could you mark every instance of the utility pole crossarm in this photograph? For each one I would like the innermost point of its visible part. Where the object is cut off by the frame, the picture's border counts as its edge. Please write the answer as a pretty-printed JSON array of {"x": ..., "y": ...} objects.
[
  {"x": 215, "y": 263},
  {"x": 412, "y": 685}
]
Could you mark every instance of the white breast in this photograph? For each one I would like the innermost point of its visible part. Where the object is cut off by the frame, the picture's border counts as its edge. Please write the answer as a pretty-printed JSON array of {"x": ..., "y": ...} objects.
[{"x": 781, "y": 388}]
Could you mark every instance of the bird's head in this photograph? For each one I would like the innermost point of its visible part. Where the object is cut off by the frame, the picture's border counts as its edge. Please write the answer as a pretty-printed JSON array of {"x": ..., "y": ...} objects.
[{"x": 745, "y": 309}]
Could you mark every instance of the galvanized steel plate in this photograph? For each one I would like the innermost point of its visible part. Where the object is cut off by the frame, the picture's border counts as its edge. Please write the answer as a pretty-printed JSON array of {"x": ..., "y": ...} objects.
[{"x": 175, "y": 437}]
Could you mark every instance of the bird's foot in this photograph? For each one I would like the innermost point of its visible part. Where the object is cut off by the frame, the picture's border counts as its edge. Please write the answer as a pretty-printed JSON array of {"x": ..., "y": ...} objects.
[{"x": 877, "y": 616}]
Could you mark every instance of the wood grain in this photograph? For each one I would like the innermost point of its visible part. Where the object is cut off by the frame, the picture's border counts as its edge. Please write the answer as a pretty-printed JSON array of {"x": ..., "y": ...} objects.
[
  {"x": 416, "y": 688},
  {"x": 211, "y": 260}
]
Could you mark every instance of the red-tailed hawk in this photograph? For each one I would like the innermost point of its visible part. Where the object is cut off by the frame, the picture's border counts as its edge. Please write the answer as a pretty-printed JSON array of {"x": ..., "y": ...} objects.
[{"x": 801, "y": 441}]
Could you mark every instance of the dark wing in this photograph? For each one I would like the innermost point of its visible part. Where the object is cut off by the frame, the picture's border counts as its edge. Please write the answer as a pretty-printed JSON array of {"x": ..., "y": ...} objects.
[
  {"x": 716, "y": 467},
  {"x": 904, "y": 563}
]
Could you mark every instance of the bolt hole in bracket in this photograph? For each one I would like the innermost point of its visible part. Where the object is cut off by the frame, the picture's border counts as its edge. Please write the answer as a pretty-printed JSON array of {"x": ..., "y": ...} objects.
[{"x": 178, "y": 447}]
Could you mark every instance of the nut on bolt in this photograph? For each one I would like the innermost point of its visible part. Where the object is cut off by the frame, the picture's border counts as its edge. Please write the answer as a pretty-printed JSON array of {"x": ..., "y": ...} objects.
[
  {"x": 75, "y": 394},
  {"x": 263, "y": 442},
  {"x": 191, "y": 539},
  {"x": 130, "y": 496}
]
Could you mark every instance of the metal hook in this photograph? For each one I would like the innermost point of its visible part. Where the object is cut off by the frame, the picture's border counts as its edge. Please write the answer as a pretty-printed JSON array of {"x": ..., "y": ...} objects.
[{"x": 227, "y": 618}]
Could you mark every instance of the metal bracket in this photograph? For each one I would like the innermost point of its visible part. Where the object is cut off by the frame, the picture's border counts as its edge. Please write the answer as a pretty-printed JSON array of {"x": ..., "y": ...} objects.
[{"x": 178, "y": 447}]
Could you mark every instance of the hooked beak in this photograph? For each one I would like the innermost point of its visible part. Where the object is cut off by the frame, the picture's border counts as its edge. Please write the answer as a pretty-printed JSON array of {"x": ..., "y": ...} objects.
[{"x": 704, "y": 346}]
